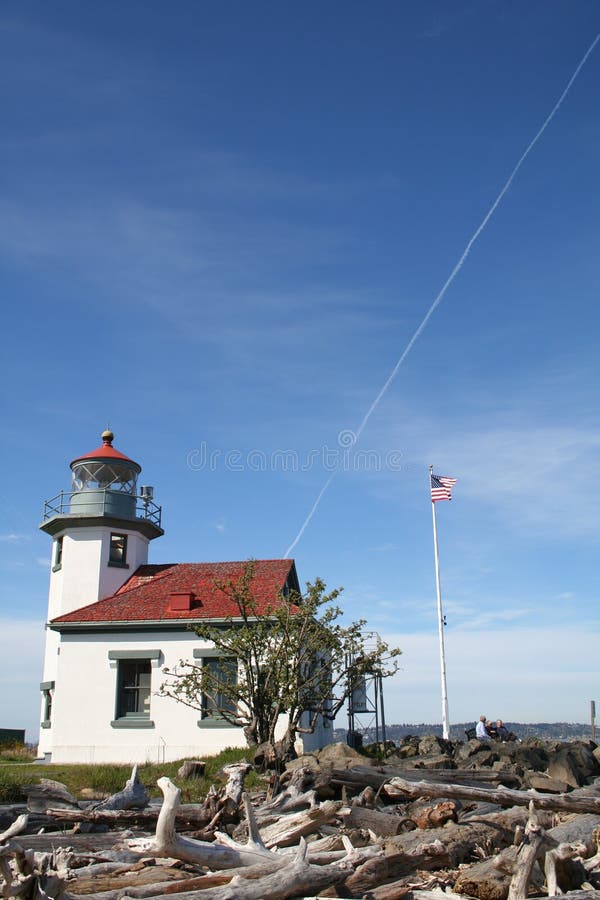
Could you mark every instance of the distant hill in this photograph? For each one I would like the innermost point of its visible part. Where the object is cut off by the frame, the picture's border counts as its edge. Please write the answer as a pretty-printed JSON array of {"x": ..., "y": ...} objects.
[{"x": 558, "y": 731}]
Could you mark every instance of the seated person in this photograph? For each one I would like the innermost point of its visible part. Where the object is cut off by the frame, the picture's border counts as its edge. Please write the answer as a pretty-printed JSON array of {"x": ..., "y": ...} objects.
[
  {"x": 481, "y": 730},
  {"x": 502, "y": 731}
]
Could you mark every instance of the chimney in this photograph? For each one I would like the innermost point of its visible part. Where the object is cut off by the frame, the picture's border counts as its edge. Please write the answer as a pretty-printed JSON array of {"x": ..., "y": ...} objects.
[{"x": 182, "y": 601}]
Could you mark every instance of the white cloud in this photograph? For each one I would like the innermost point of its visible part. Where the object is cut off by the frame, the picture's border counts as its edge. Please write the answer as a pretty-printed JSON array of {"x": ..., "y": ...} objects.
[
  {"x": 12, "y": 538},
  {"x": 21, "y": 639},
  {"x": 520, "y": 674}
]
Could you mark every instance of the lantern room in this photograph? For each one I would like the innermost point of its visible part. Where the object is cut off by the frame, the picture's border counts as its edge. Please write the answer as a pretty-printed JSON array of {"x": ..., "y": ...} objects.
[{"x": 104, "y": 482}]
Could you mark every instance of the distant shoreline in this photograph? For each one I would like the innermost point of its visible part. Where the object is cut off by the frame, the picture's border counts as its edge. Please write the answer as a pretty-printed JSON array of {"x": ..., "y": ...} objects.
[{"x": 565, "y": 731}]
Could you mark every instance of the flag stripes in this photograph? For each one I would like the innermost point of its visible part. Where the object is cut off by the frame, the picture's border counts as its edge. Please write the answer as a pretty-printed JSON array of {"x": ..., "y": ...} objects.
[{"x": 441, "y": 487}]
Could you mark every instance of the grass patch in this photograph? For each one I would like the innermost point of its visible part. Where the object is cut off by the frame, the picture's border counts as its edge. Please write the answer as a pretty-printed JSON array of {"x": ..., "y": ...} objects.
[
  {"x": 111, "y": 778},
  {"x": 11, "y": 752}
]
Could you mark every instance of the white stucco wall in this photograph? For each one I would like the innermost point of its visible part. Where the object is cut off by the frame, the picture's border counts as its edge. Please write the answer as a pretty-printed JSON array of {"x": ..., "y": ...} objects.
[
  {"x": 85, "y": 705},
  {"x": 84, "y": 575}
]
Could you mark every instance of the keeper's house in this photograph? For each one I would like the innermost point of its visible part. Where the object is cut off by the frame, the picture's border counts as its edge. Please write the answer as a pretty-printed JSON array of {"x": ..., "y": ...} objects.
[{"x": 114, "y": 622}]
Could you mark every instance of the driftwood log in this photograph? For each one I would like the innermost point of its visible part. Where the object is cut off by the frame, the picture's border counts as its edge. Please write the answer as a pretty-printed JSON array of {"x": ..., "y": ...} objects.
[
  {"x": 490, "y": 879},
  {"x": 265, "y": 856},
  {"x": 133, "y": 795},
  {"x": 401, "y": 789}
]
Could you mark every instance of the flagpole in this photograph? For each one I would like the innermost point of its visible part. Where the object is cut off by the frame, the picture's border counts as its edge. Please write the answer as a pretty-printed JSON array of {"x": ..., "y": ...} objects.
[{"x": 445, "y": 722}]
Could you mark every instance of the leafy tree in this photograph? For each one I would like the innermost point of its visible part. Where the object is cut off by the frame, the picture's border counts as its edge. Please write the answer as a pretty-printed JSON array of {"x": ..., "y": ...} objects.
[{"x": 293, "y": 656}]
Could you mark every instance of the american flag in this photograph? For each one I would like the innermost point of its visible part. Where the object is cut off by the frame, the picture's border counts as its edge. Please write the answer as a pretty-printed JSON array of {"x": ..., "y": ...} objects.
[{"x": 441, "y": 487}]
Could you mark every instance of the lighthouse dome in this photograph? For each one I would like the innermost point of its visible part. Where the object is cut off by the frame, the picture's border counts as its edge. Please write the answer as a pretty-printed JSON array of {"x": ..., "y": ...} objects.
[{"x": 108, "y": 472}]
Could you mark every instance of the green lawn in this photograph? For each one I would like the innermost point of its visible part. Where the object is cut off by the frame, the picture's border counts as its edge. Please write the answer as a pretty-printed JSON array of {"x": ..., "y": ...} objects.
[{"x": 112, "y": 778}]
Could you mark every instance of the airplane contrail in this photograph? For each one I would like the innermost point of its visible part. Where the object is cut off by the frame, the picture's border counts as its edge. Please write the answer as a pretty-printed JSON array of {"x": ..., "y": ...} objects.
[{"x": 382, "y": 392}]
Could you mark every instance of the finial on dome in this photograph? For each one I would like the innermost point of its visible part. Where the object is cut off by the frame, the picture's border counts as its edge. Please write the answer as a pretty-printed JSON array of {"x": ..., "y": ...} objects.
[{"x": 107, "y": 437}]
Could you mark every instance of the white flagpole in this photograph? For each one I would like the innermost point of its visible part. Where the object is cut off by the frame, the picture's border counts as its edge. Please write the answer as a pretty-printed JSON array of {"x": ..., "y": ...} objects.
[{"x": 445, "y": 722}]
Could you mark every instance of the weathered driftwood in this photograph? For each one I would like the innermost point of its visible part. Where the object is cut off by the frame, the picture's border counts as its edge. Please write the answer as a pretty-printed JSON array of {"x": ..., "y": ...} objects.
[
  {"x": 17, "y": 827},
  {"x": 401, "y": 788},
  {"x": 427, "y": 855},
  {"x": 295, "y": 878},
  {"x": 126, "y": 878},
  {"x": 191, "y": 768},
  {"x": 435, "y": 816},
  {"x": 561, "y": 867},
  {"x": 89, "y": 844},
  {"x": 490, "y": 878},
  {"x": 288, "y": 829},
  {"x": 48, "y": 793},
  {"x": 527, "y": 855},
  {"x": 133, "y": 795},
  {"x": 217, "y": 856},
  {"x": 177, "y": 888},
  {"x": 435, "y": 849},
  {"x": 189, "y": 816},
  {"x": 236, "y": 772},
  {"x": 380, "y": 823},
  {"x": 375, "y": 776}
]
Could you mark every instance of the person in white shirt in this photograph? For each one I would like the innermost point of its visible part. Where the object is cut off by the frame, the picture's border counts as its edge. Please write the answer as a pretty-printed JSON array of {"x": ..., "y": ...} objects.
[{"x": 481, "y": 732}]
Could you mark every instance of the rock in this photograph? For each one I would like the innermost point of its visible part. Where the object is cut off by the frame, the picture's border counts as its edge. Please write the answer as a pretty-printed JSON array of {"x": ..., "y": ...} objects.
[
  {"x": 409, "y": 746},
  {"x": 341, "y": 756},
  {"x": 541, "y": 782},
  {"x": 433, "y": 745},
  {"x": 485, "y": 756},
  {"x": 468, "y": 749},
  {"x": 563, "y": 767},
  {"x": 306, "y": 761},
  {"x": 191, "y": 768},
  {"x": 582, "y": 753}
]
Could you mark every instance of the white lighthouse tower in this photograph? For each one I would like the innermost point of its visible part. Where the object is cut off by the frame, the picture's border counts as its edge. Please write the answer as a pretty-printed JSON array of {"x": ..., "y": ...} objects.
[{"x": 101, "y": 529}]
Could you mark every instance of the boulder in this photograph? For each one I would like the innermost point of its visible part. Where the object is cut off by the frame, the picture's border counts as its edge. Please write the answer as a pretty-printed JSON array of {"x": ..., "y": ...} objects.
[
  {"x": 583, "y": 756},
  {"x": 432, "y": 745},
  {"x": 539, "y": 781},
  {"x": 341, "y": 756},
  {"x": 306, "y": 761},
  {"x": 563, "y": 767}
]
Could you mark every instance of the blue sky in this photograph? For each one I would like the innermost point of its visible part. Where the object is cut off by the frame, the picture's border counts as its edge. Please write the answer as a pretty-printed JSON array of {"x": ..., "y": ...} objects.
[{"x": 221, "y": 224}]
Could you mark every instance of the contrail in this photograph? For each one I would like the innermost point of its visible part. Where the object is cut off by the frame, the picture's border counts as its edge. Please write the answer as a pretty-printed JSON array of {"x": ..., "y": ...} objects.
[{"x": 448, "y": 282}]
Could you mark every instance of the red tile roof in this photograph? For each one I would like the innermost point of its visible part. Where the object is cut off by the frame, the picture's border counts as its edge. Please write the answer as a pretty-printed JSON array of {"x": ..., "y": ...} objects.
[
  {"x": 145, "y": 596},
  {"x": 106, "y": 451}
]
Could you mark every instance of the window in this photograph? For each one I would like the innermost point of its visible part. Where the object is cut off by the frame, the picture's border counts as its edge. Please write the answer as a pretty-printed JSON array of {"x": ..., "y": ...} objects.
[
  {"x": 47, "y": 689},
  {"x": 214, "y": 701},
  {"x": 58, "y": 552},
  {"x": 221, "y": 671},
  {"x": 118, "y": 550},
  {"x": 133, "y": 686},
  {"x": 133, "y": 692}
]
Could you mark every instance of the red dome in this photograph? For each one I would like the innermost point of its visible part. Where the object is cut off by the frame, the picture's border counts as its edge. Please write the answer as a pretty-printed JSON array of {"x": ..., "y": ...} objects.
[{"x": 107, "y": 451}]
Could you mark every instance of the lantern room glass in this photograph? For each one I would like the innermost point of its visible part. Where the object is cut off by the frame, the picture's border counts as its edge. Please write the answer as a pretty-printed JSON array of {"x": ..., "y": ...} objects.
[{"x": 102, "y": 475}]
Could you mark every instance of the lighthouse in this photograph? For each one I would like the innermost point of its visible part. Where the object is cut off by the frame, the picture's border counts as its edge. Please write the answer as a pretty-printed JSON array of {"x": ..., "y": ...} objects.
[{"x": 101, "y": 529}]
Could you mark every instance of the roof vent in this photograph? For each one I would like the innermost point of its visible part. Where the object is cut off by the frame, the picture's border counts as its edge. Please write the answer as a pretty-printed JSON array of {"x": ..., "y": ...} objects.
[{"x": 181, "y": 601}]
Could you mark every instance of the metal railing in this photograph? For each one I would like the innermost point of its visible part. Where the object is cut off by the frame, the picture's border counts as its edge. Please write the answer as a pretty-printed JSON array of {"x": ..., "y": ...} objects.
[{"x": 100, "y": 503}]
